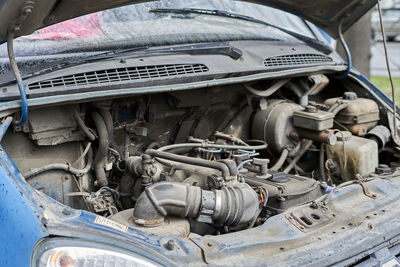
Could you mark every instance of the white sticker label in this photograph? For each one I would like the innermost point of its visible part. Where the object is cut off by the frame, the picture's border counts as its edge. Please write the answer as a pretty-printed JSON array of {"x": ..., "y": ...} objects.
[{"x": 109, "y": 223}]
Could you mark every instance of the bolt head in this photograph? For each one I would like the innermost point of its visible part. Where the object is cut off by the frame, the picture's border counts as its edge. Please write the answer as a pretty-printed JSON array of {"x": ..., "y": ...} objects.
[
  {"x": 27, "y": 11},
  {"x": 170, "y": 245},
  {"x": 67, "y": 211},
  {"x": 17, "y": 28}
]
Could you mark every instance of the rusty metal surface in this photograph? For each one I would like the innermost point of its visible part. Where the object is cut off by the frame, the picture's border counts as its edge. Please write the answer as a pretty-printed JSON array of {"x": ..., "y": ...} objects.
[
  {"x": 326, "y": 136},
  {"x": 353, "y": 221}
]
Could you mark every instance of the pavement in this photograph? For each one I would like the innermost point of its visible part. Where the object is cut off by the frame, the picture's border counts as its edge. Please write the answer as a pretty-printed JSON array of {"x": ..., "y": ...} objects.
[{"x": 378, "y": 63}]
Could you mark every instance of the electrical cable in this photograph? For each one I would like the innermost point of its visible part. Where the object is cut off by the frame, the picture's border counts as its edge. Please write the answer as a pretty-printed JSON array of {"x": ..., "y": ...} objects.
[{"x": 243, "y": 163}]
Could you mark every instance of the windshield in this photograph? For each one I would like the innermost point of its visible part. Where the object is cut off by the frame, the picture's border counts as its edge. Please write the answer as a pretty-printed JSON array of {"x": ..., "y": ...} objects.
[{"x": 134, "y": 25}]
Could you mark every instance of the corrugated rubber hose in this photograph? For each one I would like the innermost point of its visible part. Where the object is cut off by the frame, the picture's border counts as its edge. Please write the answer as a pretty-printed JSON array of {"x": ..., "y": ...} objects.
[{"x": 102, "y": 150}]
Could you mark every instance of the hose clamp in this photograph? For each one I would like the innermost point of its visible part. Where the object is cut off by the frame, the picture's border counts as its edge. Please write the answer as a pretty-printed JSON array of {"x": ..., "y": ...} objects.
[{"x": 207, "y": 206}]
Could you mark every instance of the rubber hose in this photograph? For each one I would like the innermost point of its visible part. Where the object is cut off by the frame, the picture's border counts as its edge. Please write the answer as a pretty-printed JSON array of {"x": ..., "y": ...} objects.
[
  {"x": 303, "y": 150},
  {"x": 335, "y": 109},
  {"x": 102, "y": 151},
  {"x": 230, "y": 206},
  {"x": 83, "y": 127},
  {"x": 206, "y": 145},
  {"x": 63, "y": 167},
  {"x": 225, "y": 170},
  {"x": 281, "y": 160},
  {"x": 108, "y": 120},
  {"x": 322, "y": 163}
]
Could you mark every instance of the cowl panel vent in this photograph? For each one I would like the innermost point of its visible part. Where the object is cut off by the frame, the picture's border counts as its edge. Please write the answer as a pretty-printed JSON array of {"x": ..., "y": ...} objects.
[
  {"x": 119, "y": 75},
  {"x": 298, "y": 59}
]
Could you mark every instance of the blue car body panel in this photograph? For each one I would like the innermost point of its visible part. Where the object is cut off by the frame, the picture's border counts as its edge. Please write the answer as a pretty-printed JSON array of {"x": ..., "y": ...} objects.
[{"x": 21, "y": 226}]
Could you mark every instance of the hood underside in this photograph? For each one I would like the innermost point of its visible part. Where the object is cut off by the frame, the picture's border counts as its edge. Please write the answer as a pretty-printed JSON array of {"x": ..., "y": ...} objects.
[{"x": 25, "y": 16}]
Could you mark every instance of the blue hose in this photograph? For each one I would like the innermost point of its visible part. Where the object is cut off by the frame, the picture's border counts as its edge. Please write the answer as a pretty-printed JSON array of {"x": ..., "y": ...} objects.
[
  {"x": 243, "y": 163},
  {"x": 347, "y": 51},
  {"x": 18, "y": 77},
  {"x": 24, "y": 106}
]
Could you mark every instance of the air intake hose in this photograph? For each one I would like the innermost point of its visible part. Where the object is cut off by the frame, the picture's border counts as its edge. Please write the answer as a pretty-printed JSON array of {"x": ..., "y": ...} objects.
[{"x": 232, "y": 205}]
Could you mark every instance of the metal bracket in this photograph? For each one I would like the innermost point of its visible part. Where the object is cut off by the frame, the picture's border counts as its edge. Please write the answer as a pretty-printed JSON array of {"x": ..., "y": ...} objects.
[
  {"x": 361, "y": 181},
  {"x": 309, "y": 218},
  {"x": 25, "y": 11},
  {"x": 207, "y": 207}
]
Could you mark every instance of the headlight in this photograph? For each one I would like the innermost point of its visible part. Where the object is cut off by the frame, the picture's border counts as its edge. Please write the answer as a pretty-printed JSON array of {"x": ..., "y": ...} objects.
[{"x": 64, "y": 252}]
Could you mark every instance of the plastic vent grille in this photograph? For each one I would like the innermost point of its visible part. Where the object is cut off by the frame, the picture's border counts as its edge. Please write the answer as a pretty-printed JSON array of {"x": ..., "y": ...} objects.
[
  {"x": 299, "y": 59},
  {"x": 119, "y": 75}
]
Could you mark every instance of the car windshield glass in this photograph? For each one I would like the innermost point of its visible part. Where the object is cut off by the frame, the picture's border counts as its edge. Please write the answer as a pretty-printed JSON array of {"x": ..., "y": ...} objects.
[{"x": 134, "y": 25}]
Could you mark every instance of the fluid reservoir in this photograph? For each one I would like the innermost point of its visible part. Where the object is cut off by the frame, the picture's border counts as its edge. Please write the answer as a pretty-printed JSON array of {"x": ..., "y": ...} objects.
[
  {"x": 359, "y": 154},
  {"x": 360, "y": 115}
]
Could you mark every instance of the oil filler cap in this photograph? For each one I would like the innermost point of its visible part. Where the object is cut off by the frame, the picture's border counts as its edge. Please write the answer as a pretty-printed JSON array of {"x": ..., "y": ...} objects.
[
  {"x": 279, "y": 177},
  {"x": 343, "y": 136},
  {"x": 350, "y": 96}
]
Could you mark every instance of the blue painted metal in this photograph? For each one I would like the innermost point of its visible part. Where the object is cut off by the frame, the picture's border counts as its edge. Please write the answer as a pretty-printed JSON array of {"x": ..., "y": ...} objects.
[
  {"x": 376, "y": 90},
  {"x": 326, "y": 36},
  {"x": 82, "y": 224},
  {"x": 4, "y": 126},
  {"x": 21, "y": 227}
]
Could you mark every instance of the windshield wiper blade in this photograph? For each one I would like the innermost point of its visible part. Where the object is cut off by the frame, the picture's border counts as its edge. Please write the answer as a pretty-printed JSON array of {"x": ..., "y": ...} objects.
[
  {"x": 314, "y": 43},
  {"x": 222, "y": 48}
]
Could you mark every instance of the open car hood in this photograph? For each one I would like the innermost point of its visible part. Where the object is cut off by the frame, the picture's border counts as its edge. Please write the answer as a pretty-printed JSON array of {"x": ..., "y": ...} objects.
[{"x": 26, "y": 16}]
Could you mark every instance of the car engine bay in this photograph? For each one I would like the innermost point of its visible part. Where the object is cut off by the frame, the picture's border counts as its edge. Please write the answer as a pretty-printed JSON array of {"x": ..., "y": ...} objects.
[{"x": 208, "y": 161}]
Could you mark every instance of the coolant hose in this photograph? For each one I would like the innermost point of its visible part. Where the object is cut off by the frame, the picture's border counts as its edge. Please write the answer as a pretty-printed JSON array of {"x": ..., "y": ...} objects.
[
  {"x": 83, "y": 127},
  {"x": 108, "y": 120},
  {"x": 232, "y": 205},
  {"x": 280, "y": 161},
  {"x": 306, "y": 146},
  {"x": 102, "y": 151},
  {"x": 62, "y": 166},
  {"x": 322, "y": 162},
  {"x": 226, "y": 167},
  {"x": 337, "y": 107},
  {"x": 262, "y": 146}
]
